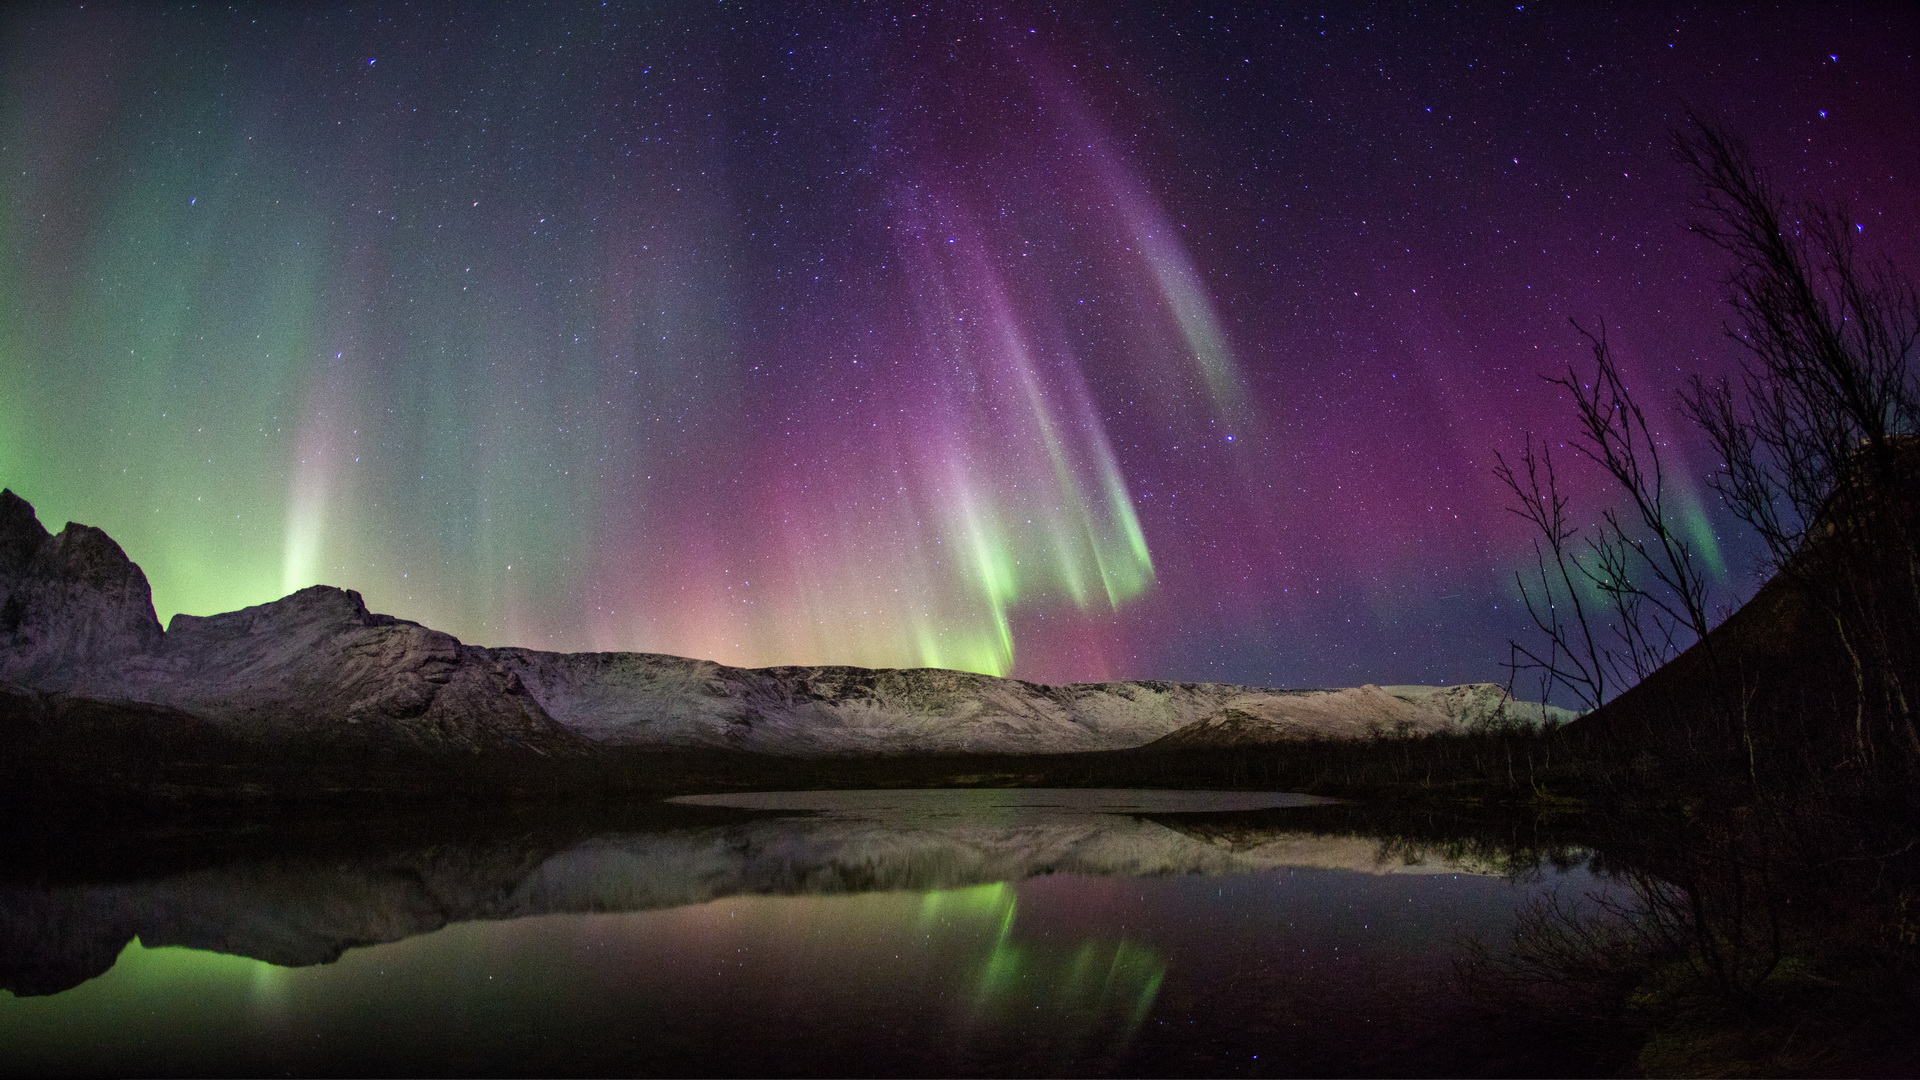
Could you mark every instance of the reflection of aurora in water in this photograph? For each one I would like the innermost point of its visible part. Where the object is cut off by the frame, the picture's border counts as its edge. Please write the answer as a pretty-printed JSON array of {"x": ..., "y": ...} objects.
[
  {"x": 1095, "y": 992},
  {"x": 956, "y": 962},
  {"x": 1012, "y": 935}
]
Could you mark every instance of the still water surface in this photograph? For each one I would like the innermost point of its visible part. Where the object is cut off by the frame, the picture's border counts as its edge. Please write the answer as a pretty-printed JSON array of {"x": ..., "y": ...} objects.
[{"x": 845, "y": 933}]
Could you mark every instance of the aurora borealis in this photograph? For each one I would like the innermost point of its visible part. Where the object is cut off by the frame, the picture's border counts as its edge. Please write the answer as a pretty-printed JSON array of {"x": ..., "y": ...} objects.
[{"x": 1067, "y": 341}]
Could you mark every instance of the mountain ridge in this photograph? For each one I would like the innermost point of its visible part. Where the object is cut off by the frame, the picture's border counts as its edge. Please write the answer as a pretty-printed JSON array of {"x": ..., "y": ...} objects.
[{"x": 76, "y": 619}]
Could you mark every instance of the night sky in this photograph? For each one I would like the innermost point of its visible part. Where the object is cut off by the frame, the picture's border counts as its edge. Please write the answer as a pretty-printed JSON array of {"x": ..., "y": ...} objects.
[{"x": 1066, "y": 341}]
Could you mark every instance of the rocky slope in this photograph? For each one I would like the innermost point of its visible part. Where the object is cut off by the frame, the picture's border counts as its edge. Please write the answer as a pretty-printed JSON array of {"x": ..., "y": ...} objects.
[
  {"x": 1261, "y": 719},
  {"x": 650, "y": 700},
  {"x": 318, "y": 658},
  {"x": 76, "y": 619}
]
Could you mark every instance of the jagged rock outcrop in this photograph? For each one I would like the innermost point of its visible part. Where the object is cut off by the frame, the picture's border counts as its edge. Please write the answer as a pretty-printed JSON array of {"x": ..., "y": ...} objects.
[
  {"x": 76, "y": 619},
  {"x": 70, "y": 604}
]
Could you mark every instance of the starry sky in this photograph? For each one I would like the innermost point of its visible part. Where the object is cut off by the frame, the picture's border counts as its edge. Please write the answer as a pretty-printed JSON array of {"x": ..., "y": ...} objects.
[{"x": 1070, "y": 341}]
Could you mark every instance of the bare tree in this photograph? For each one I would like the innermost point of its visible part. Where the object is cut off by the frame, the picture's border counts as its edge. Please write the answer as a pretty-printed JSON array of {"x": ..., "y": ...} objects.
[
  {"x": 1572, "y": 657},
  {"x": 1819, "y": 436},
  {"x": 1828, "y": 387},
  {"x": 1614, "y": 601},
  {"x": 1817, "y": 431}
]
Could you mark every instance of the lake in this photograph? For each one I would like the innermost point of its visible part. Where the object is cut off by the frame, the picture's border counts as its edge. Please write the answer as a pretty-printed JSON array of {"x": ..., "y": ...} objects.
[{"x": 949, "y": 932}]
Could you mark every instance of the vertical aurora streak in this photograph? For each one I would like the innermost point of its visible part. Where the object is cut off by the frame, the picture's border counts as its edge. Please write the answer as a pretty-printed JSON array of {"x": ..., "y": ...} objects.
[
  {"x": 1110, "y": 985},
  {"x": 1083, "y": 344}
]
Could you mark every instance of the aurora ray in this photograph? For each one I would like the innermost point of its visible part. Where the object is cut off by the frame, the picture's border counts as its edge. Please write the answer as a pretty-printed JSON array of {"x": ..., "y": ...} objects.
[{"x": 1065, "y": 343}]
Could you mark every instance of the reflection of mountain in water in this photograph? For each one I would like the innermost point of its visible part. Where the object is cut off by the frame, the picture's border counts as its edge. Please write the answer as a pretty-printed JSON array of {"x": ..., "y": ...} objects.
[{"x": 299, "y": 911}]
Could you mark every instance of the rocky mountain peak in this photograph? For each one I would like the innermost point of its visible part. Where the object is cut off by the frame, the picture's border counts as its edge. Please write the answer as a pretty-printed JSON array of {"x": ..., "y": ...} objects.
[
  {"x": 21, "y": 534},
  {"x": 316, "y": 608},
  {"x": 88, "y": 556},
  {"x": 71, "y": 605}
]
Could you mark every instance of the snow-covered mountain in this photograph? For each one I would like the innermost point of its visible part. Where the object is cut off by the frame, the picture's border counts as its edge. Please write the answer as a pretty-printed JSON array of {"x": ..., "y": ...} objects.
[{"x": 76, "y": 618}]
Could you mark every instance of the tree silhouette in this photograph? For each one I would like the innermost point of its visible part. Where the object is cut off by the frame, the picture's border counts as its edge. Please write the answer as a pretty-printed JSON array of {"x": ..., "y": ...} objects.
[{"x": 1817, "y": 431}]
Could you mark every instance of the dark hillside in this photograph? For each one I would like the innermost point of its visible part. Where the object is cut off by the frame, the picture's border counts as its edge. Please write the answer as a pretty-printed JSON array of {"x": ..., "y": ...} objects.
[{"x": 1809, "y": 687}]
